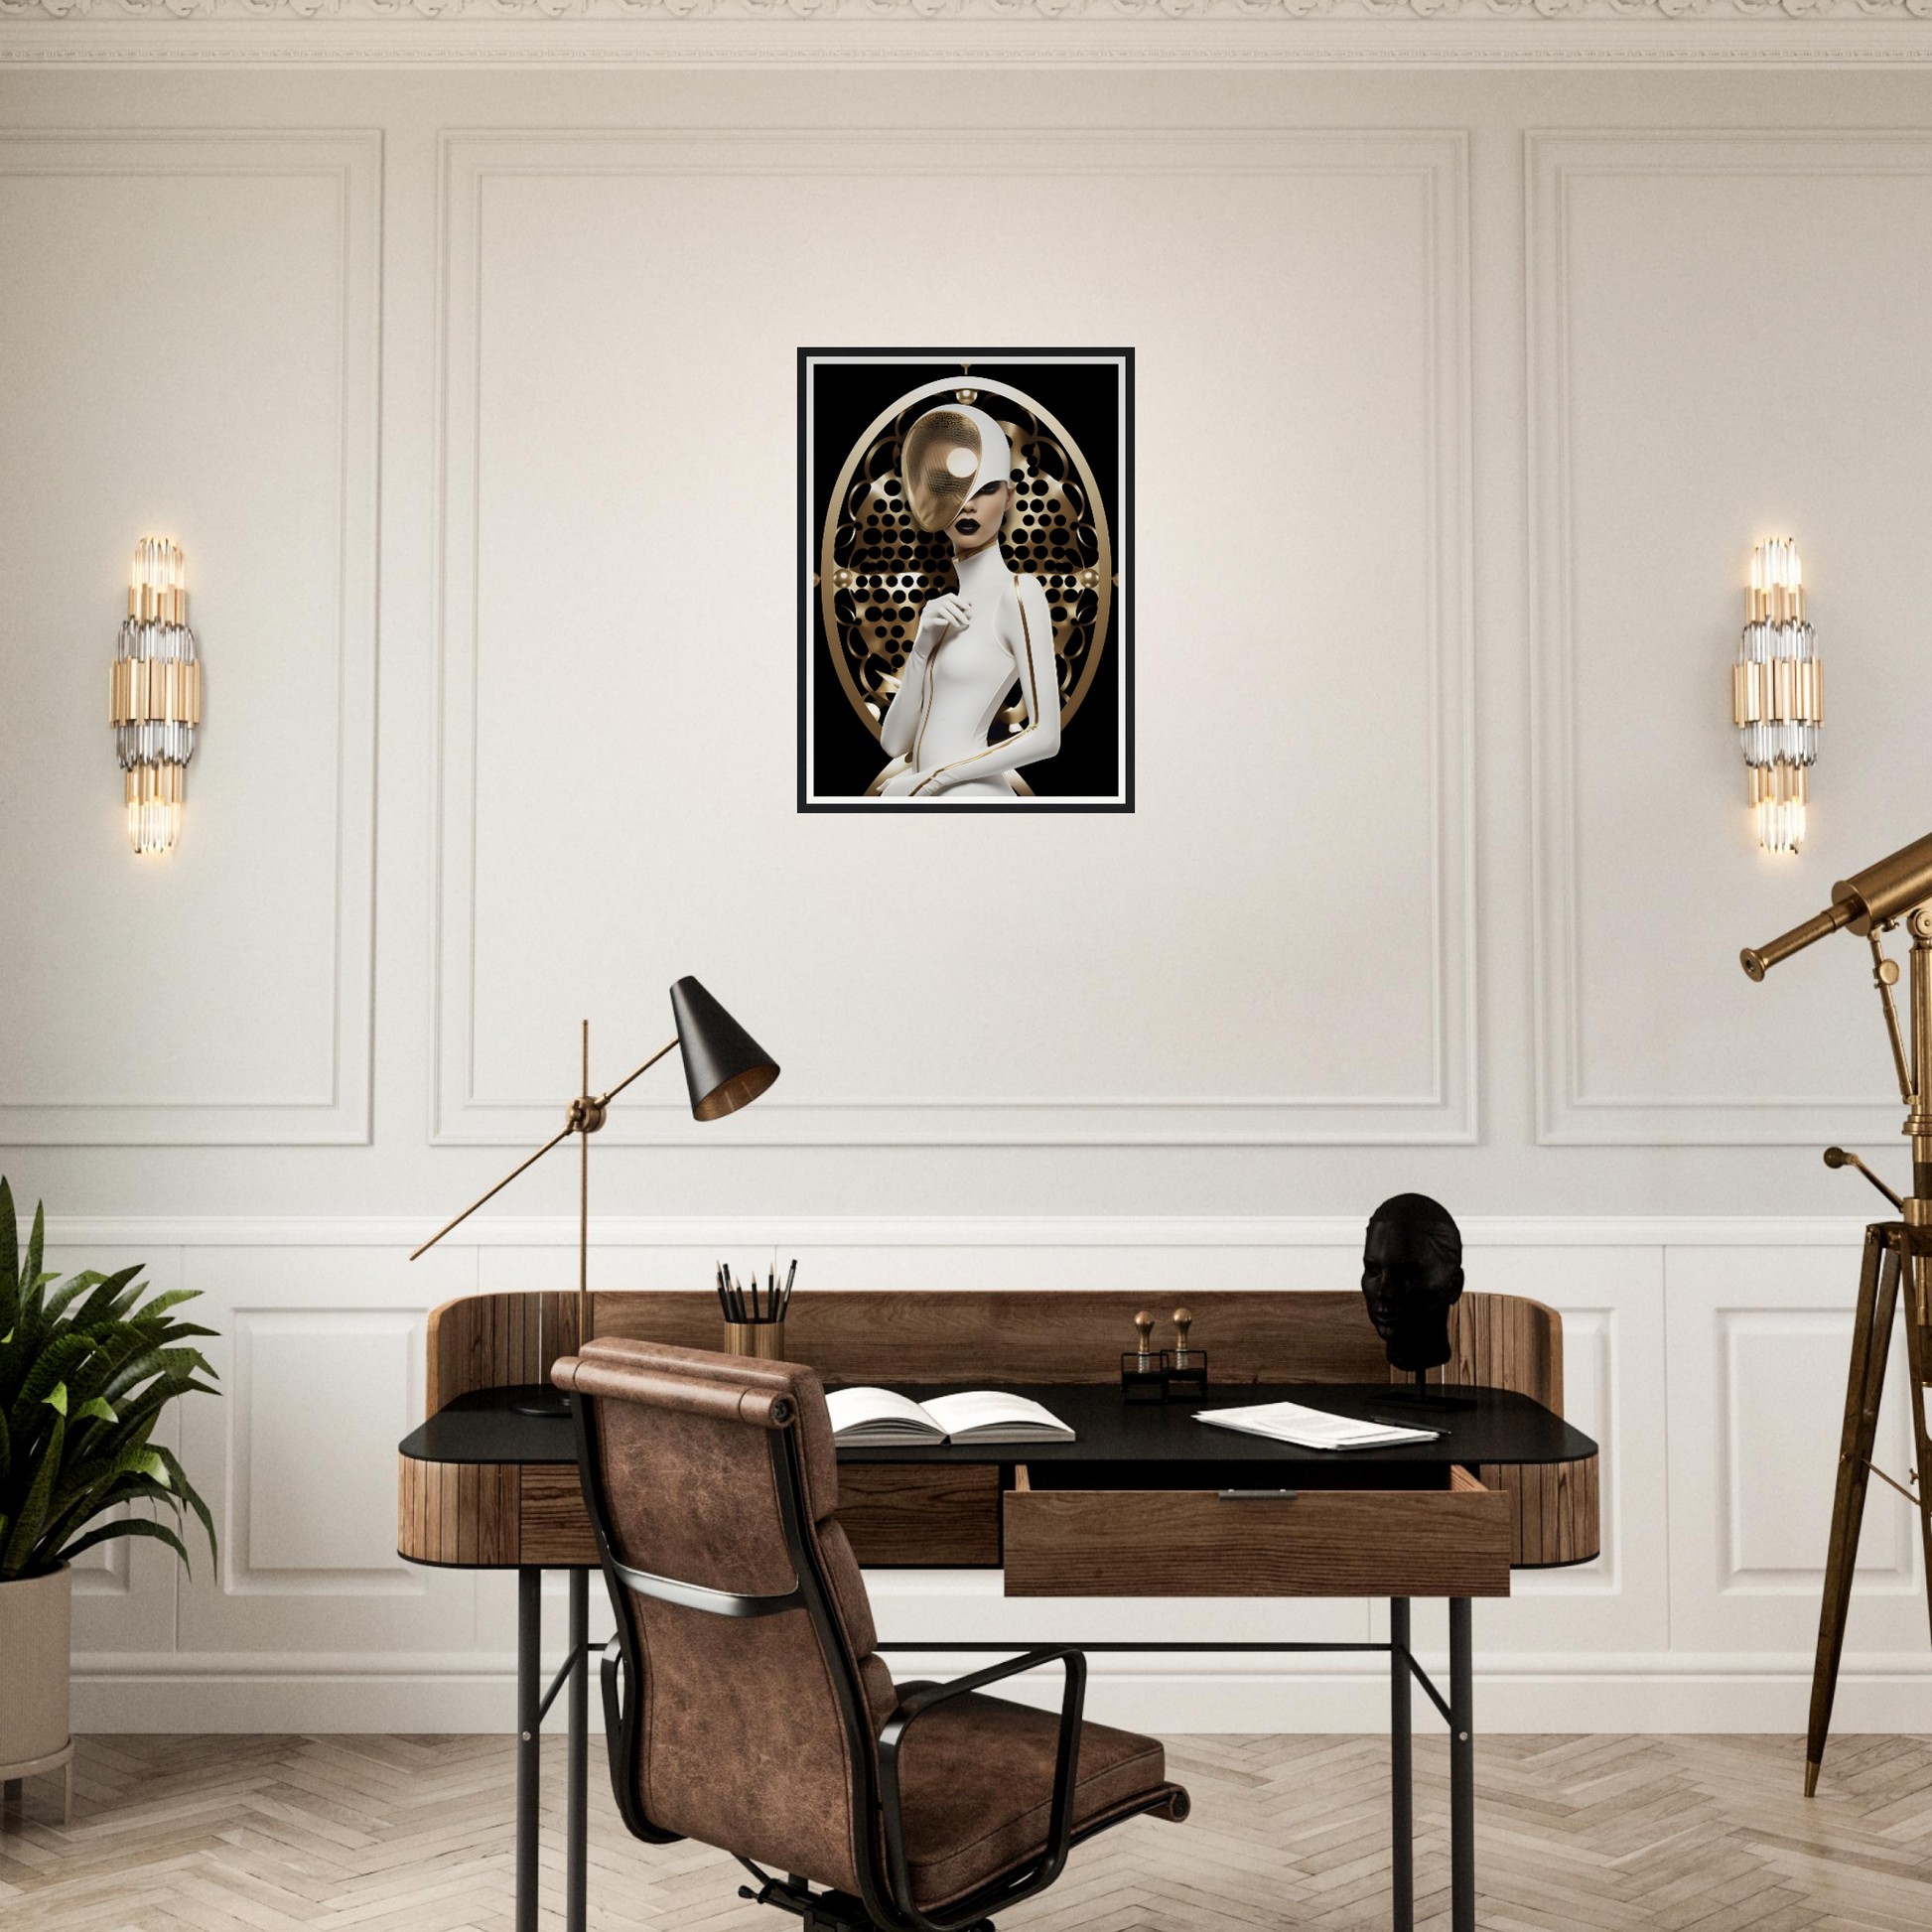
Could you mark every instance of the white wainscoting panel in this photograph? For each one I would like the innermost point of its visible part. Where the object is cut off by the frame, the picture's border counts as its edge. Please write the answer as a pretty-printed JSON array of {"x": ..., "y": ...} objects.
[
  {"x": 321, "y": 1388},
  {"x": 322, "y": 1368},
  {"x": 199, "y": 313},
  {"x": 1675, "y": 420},
  {"x": 600, "y": 519},
  {"x": 124, "y": 1590},
  {"x": 1759, "y": 1342},
  {"x": 1612, "y": 1304}
]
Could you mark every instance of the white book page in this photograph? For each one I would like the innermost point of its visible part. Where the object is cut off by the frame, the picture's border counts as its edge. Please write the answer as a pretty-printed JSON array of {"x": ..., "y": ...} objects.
[
  {"x": 989, "y": 1409},
  {"x": 864, "y": 1409}
]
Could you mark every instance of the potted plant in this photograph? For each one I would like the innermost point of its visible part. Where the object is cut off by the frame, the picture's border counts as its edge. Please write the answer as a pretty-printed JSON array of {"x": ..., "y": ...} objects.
[{"x": 85, "y": 1370}]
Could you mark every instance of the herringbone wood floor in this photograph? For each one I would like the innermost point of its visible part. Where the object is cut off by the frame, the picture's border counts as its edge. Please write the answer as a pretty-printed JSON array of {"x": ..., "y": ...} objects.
[{"x": 1663, "y": 1833}]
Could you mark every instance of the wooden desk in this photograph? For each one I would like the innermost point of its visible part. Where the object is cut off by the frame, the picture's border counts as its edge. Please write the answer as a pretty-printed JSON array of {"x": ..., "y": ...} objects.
[{"x": 1131, "y": 1508}]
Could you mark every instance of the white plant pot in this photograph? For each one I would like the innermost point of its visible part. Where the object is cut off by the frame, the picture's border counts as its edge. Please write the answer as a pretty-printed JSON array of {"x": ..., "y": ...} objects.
[{"x": 35, "y": 1626}]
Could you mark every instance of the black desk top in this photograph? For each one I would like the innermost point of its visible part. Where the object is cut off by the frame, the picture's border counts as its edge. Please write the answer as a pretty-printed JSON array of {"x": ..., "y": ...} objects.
[{"x": 1499, "y": 1427}]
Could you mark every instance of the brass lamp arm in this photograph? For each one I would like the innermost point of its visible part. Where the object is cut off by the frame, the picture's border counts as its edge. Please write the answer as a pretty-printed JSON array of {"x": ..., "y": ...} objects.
[
  {"x": 605, "y": 1100},
  {"x": 574, "y": 1124},
  {"x": 563, "y": 1132}
]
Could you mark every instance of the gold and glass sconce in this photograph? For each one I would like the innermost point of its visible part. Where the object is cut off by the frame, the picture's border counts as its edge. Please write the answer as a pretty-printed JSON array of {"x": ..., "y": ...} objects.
[
  {"x": 155, "y": 700},
  {"x": 1777, "y": 693}
]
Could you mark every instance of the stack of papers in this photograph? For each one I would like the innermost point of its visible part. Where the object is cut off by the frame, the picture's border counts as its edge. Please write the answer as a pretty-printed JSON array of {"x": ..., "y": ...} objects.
[
  {"x": 883, "y": 1418},
  {"x": 1290, "y": 1421}
]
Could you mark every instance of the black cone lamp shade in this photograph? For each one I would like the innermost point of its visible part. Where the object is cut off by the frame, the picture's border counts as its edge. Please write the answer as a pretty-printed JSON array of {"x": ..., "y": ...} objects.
[{"x": 724, "y": 1066}]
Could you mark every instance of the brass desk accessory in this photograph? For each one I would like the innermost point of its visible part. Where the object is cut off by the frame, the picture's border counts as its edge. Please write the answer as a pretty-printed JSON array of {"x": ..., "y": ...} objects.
[
  {"x": 1869, "y": 904},
  {"x": 725, "y": 1069},
  {"x": 1184, "y": 1368},
  {"x": 1140, "y": 1367}
]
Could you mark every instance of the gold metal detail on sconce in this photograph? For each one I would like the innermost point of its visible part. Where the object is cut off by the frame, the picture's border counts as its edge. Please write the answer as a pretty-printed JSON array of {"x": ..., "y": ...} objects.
[
  {"x": 154, "y": 695},
  {"x": 1777, "y": 694}
]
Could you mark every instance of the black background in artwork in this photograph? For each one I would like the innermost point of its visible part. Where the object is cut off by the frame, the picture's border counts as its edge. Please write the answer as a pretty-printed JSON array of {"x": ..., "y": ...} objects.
[{"x": 846, "y": 756}]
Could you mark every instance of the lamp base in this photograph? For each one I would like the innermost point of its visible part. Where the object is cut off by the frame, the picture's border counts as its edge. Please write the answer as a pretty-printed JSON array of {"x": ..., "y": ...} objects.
[{"x": 539, "y": 1398}]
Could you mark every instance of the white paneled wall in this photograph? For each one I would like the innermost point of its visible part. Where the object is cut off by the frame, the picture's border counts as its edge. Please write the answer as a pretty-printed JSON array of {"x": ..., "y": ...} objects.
[
  {"x": 1712, "y": 1374},
  {"x": 469, "y": 391}
]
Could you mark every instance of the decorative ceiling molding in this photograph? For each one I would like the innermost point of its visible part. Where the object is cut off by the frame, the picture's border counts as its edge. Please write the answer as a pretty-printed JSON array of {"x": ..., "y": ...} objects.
[
  {"x": 1148, "y": 34},
  {"x": 864, "y": 11}
]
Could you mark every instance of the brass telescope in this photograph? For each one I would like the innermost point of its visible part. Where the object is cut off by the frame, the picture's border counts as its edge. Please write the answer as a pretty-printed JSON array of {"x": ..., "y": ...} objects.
[
  {"x": 1875, "y": 897},
  {"x": 1896, "y": 1253}
]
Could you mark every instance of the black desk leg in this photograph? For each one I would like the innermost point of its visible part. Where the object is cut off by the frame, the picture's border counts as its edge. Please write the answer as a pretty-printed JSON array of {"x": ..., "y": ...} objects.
[
  {"x": 580, "y": 1743},
  {"x": 529, "y": 1738},
  {"x": 1463, "y": 1771},
  {"x": 1402, "y": 1807}
]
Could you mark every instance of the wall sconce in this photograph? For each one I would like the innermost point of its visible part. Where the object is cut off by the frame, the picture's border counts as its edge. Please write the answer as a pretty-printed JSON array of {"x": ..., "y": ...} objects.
[
  {"x": 155, "y": 697},
  {"x": 1777, "y": 693}
]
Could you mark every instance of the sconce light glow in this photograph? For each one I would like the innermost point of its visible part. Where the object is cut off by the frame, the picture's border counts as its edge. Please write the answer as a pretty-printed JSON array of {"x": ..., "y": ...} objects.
[
  {"x": 154, "y": 696},
  {"x": 1777, "y": 693}
]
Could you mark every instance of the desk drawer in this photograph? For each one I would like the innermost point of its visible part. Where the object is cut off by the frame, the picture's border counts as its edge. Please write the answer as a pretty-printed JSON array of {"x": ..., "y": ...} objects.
[
  {"x": 921, "y": 1513},
  {"x": 1450, "y": 1539}
]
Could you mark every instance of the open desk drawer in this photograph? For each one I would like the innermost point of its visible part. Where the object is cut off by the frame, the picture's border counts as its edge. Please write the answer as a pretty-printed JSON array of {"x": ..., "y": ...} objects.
[{"x": 1443, "y": 1534}]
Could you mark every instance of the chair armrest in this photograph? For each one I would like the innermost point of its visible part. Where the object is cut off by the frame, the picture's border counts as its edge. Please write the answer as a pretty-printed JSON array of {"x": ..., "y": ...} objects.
[{"x": 1066, "y": 1764}]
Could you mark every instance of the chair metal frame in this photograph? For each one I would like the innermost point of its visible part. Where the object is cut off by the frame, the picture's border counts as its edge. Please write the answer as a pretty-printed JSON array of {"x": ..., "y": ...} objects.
[{"x": 885, "y": 1903}]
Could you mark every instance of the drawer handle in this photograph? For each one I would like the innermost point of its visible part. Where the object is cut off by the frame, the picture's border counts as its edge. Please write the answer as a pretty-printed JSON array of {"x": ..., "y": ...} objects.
[{"x": 1258, "y": 1495}]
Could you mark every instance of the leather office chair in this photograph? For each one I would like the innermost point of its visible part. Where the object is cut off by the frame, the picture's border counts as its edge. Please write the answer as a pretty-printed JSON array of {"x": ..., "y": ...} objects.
[{"x": 744, "y": 1704}]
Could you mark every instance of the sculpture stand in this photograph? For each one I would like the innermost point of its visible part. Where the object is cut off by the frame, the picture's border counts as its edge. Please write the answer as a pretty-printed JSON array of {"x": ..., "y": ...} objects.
[{"x": 1426, "y": 1402}]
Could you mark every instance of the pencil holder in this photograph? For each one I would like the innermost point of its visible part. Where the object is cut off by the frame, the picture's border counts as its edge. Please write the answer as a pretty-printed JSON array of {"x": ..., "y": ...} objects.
[{"x": 764, "y": 1340}]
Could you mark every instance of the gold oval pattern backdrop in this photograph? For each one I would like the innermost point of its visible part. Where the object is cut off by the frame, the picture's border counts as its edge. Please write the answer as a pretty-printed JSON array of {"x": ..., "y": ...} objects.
[{"x": 877, "y": 568}]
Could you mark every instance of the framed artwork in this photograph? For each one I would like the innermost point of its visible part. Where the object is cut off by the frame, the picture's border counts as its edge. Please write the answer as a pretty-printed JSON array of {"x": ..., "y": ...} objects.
[{"x": 965, "y": 552}]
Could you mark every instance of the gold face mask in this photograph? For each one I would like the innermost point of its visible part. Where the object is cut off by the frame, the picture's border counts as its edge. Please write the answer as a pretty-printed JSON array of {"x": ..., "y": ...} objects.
[{"x": 950, "y": 453}]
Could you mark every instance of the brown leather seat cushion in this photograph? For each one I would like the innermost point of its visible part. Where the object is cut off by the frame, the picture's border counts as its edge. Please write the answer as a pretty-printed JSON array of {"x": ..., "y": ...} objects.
[{"x": 976, "y": 1781}]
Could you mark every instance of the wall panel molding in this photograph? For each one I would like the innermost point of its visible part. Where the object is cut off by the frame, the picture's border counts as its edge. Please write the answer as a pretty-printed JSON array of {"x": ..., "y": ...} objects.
[
  {"x": 350, "y": 159},
  {"x": 1569, "y": 1113},
  {"x": 804, "y": 1233},
  {"x": 1436, "y": 163}
]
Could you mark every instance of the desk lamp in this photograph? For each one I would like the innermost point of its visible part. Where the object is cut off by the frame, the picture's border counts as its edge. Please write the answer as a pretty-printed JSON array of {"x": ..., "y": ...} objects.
[{"x": 725, "y": 1069}]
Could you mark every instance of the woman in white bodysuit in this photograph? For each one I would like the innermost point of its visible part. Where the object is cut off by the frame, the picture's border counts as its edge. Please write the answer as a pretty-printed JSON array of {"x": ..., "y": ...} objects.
[{"x": 972, "y": 644}]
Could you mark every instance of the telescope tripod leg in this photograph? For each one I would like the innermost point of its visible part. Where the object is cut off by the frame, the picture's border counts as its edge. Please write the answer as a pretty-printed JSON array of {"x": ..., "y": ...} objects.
[
  {"x": 1918, "y": 1357},
  {"x": 1871, "y": 1346}
]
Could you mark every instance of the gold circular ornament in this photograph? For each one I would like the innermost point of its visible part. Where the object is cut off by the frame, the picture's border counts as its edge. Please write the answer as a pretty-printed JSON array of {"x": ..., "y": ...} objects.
[{"x": 879, "y": 568}]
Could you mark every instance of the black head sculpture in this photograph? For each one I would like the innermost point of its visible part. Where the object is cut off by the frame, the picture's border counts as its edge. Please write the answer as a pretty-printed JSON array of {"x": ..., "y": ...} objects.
[{"x": 1412, "y": 1275}]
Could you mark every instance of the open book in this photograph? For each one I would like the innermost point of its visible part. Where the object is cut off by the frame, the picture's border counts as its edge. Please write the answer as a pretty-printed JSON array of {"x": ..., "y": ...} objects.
[
  {"x": 1289, "y": 1421},
  {"x": 879, "y": 1418}
]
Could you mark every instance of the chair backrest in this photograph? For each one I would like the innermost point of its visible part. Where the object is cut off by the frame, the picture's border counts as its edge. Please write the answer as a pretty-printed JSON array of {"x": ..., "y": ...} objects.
[{"x": 711, "y": 1480}]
